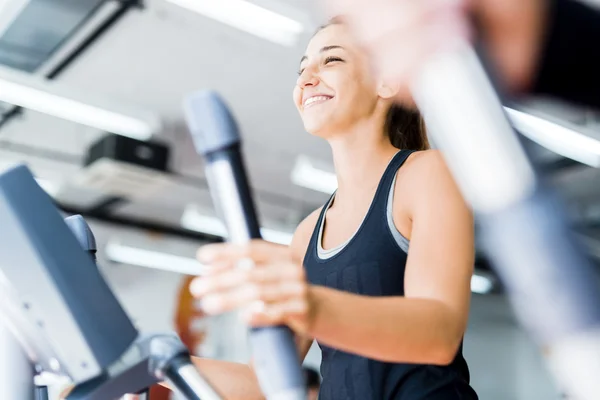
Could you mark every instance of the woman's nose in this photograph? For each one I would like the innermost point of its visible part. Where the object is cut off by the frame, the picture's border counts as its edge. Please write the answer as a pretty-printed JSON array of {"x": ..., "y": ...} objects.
[{"x": 308, "y": 78}]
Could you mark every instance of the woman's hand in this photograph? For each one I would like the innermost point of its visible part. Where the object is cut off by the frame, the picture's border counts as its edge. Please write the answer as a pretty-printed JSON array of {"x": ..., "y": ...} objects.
[
  {"x": 400, "y": 35},
  {"x": 261, "y": 279}
]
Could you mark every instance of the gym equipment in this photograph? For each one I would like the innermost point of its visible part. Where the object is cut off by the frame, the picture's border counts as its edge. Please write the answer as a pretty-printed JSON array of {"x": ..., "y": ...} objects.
[
  {"x": 551, "y": 284},
  {"x": 83, "y": 234},
  {"x": 86, "y": 239},
  {"x": 216, "y": 137},
  {"x": 64, "y": 316}
]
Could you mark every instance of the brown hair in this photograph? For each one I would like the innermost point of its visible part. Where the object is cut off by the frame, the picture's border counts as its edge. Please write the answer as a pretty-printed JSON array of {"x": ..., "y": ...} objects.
[{"x": 404, "y": 126}]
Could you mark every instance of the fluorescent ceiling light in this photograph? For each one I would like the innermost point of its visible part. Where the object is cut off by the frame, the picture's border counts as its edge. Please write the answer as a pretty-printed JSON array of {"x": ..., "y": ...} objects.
[
  {"x": 481, "y": 284},
  {"x": 123, "y": 254},
  {"x": 559, "y": 139},
  {"x": 195, "y": 221},
  {"x": 50, "y": 98},
  {"x": 306, "y": 175},
  {"x": 248, "y": 17}
]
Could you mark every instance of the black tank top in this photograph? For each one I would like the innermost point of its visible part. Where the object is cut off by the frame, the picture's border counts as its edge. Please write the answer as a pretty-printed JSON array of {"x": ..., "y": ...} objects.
[{"x": 372, "y": 264}]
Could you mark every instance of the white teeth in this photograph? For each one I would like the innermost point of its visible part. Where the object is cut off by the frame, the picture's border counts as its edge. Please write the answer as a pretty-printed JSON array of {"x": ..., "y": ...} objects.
[{"x": 314, "y": 99}]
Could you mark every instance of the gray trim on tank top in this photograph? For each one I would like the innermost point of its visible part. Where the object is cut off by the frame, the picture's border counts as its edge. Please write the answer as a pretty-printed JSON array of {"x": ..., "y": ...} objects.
[{"x": 402, "y": 242}]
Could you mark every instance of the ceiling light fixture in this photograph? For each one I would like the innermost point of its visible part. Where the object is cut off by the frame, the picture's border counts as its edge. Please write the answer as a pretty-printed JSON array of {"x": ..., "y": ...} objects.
[
  {"x": 560, "y": 139},
  {"x": 305, "y": 174},
  {"x": 123, "y": 254},
  {"x": 248, "y": 17},
  {"x": 50, "y": 98},
  {"x": 193, "y": 220}
]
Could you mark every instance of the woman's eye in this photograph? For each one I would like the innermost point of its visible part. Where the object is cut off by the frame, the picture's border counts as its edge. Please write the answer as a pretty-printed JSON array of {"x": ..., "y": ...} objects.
[
  {"x": 332, "y": 59},
  {"x": 327, "y": 61}
]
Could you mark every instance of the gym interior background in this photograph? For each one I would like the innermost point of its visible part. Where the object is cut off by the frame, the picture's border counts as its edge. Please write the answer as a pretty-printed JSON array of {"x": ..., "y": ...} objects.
[{"x": 131, "y": 63}]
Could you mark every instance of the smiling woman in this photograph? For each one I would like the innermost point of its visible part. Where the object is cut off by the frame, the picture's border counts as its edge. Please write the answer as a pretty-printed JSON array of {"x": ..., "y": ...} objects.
[
  {"x": 379, "y": 276},
  {"x": 404, "y": 126}
]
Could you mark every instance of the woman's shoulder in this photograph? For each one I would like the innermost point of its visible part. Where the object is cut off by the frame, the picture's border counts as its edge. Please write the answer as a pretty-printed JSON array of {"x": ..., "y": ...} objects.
[
  {"x": 420, "y": 158},
  {"x": 420, "y": 166},
  {"x": 303, "y": 234},
  {"x": 424, "y": 171}
]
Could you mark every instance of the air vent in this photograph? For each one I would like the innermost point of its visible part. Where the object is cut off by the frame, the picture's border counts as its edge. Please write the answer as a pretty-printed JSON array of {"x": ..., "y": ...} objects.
[
  {"x": 43, "y": 37},
  {"x": 38, "y": 28}
]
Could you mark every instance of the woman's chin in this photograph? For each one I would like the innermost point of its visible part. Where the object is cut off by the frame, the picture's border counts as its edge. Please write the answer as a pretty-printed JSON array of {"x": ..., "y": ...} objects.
[
  {"x": 320, "y": 133},
  {"x": 316, "y": 127}
]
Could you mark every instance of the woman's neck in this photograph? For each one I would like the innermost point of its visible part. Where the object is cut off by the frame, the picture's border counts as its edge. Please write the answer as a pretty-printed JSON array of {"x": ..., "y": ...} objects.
[{"x": 360, "y": 158}]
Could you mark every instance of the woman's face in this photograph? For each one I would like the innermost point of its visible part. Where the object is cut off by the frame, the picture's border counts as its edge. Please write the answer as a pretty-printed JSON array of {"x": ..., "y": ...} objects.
[{"x": 334, "y": 89}]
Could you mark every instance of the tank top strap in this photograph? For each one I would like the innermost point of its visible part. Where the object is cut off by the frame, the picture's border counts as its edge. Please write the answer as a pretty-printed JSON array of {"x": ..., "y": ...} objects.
[
  {"x": 311, "y": 251},
  {"x": 379, "y": 202},
  {"x": 385, "y": 184}
]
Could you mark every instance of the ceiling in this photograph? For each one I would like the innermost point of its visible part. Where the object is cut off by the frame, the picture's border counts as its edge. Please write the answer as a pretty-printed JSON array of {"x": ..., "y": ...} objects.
[{"x": 152, "y": 57}]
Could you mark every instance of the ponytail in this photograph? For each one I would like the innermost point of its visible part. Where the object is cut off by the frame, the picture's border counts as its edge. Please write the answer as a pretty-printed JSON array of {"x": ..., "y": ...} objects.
[{"x": 406, "y": 129}]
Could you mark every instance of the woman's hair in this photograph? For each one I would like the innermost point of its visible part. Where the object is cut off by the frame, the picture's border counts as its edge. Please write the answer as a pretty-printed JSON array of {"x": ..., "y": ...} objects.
[{"x": 404, "y": 127}]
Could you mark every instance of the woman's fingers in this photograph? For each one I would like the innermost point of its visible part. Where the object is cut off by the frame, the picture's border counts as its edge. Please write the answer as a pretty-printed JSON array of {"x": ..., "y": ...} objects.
[
  {"x": 65, "y": 392},
  {"x": 375, "y": 19},
  {"x": 234, "y": 288},
  {"x": 259, "y": 251},
  {"x": 399, "y": 61},
  {"x": 265, "y": 314},
  {"x": 249, "y": 295},
  {"x": 400, "y": 35},
  {"x": 227, "y": 278},
  {"x": 218, "y": 281},
  {"x": 259, "y": 277}
]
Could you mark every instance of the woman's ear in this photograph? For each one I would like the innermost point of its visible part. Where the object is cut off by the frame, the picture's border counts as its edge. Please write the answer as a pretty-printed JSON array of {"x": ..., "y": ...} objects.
[{"x": 387, "y": 91}]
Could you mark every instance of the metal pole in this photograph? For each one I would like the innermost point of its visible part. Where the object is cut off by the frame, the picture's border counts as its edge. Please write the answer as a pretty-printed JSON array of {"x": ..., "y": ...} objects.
[
  {"x": 16, "y": 372},
  {"x": 217, "y": 138}
]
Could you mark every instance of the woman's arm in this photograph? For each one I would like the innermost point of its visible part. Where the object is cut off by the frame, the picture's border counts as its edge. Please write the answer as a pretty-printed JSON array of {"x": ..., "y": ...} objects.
[
  {"x": 238, "y": 381},
  {"x": 427, "y": 325},
  {"x": 235, "y": 381}
]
